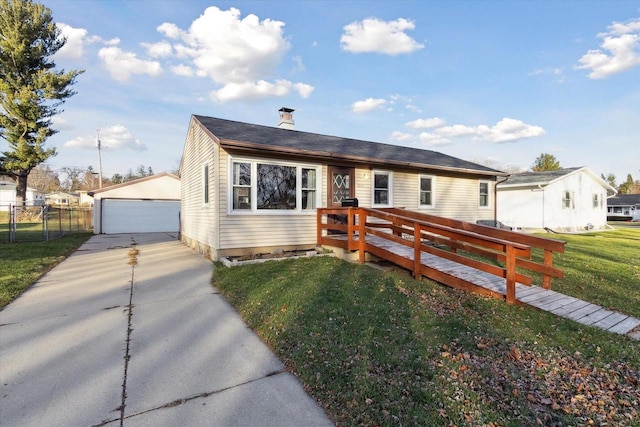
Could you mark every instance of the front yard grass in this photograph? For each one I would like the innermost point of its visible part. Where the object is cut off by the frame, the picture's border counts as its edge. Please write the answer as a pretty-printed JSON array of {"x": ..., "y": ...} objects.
[
  {"x": 379, "y": 348},
  {"x": 24, "y": 263},
  {"x": 602, "y": 268}
]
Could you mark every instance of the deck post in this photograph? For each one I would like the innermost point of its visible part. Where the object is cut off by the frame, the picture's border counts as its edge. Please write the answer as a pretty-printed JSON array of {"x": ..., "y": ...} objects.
[
  {"x": 417, "y": 241},
  {"x": 511, "y": 274},
  {"x": 362, "y": 221},
  {"x": 350, "y": 242},
  {"x": 548, "y": 260},
  {"x": 319, "y": 227}
]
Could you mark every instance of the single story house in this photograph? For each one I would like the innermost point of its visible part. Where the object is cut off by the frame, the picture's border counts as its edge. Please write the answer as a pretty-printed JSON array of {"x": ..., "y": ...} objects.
[
  {"x": 571, "y": 199},
  {"x": 34, "y": 197},
  {"x": 62, "y": 198},
  {"x": 623, "y": 207},
  {"x": 250, "y": 189},
  {"x": 149, "y": 204}
]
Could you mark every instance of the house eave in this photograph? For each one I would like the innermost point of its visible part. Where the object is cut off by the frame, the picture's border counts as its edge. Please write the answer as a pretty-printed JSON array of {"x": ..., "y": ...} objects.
[{"x": 329, "y": 156}]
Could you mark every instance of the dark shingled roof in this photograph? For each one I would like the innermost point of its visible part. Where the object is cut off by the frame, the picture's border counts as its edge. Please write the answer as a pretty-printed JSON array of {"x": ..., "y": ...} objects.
[
  {"x": 234, "y": 134},
  {"x": 624, "y": 200},
  {"x": 535, "y": 178}
]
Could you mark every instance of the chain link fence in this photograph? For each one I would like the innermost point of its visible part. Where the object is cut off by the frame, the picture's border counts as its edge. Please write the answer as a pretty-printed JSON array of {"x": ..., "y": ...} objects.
[{"x": 41, "y": 223}]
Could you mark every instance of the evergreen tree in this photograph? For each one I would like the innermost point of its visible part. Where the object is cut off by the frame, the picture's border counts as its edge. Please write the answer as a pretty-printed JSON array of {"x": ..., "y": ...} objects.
[{"x": 31, "y": 89}]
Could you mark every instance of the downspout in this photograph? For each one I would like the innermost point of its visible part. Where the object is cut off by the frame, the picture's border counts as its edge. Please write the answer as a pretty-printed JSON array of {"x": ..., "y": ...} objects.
[{"x": 495, "y": 199}]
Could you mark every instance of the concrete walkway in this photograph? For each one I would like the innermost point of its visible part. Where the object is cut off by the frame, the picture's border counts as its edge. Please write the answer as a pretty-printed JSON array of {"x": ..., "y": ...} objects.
[{"x": 110, "y": 337}]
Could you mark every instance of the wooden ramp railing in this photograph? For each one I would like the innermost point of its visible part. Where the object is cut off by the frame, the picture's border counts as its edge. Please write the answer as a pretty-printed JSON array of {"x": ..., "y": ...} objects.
[{"x": 417, "y": 241}]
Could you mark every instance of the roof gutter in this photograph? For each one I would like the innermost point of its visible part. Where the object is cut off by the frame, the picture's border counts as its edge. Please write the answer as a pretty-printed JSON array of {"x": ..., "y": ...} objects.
[{"x": 227, "y": 143}]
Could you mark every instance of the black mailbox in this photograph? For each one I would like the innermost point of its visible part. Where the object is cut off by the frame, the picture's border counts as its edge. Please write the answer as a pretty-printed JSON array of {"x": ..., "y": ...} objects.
[{"x": 350, "y": 203}]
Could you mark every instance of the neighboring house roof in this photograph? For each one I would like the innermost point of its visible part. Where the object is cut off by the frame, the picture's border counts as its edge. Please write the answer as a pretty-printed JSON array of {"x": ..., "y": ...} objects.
[
  {"x": 531, "y": 179},
  {"x": 133, "y": 182},
  {"x": 62, "y": 194},
  {"x": 624, "y": 200},
  {"x": 244, "y": 136}
]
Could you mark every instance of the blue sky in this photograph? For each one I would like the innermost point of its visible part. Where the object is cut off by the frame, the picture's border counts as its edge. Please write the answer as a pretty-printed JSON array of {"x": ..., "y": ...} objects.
[{"x": 496, "y": 82}]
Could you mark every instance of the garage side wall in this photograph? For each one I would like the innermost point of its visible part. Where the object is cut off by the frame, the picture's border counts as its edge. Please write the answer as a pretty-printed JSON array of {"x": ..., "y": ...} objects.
[{"x": 197, "y": 217}]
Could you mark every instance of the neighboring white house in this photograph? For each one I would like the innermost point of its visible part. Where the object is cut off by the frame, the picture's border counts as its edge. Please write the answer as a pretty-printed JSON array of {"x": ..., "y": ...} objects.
[
  {"x": 62, "y": 198},
  {"x": 149, "y": 204},
  {"x": 624, "y": 207},
  {"x": 251, "y": 189},
  {"x": 8, "y": 195},
  {"x": 572, "y": 199}
]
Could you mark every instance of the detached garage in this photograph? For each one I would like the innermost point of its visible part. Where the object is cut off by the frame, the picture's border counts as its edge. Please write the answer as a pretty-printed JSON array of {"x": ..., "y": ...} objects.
[{"x": 146, "y": 205}]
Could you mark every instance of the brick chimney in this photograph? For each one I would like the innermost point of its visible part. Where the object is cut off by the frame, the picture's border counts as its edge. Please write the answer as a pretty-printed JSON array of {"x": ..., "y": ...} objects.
[{"x": 286, "y": 118}]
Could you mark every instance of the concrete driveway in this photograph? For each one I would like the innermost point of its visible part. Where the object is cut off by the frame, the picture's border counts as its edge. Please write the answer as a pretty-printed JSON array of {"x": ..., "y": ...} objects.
[{"x": 111, "y": 338}]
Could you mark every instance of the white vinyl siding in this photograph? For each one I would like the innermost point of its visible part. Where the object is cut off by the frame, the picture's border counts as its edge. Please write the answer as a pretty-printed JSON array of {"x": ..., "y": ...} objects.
[
  {"x": 566, "y": 204},
  {"x": 198, "y": 220}
]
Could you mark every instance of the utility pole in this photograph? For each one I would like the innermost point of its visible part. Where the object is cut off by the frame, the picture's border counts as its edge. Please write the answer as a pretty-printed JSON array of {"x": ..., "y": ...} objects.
[{"x": 99, "y": 158}]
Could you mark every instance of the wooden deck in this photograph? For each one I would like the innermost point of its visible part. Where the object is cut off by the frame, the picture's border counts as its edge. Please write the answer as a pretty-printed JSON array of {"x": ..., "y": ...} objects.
[{"x": 451, "y": 272}]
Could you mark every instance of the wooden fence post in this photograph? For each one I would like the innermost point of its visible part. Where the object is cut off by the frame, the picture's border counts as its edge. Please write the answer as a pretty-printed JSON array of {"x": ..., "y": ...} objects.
[
  {"x": 548, "y": 261},
  {"x": 417, "y": 241},
  {"x": 362, "y": 222},
  {"x": 511, "y": 274}
]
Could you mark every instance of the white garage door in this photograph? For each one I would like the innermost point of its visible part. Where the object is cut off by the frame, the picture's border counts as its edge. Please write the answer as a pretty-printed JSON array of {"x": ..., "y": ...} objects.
[{"x": 140, "y": 216}]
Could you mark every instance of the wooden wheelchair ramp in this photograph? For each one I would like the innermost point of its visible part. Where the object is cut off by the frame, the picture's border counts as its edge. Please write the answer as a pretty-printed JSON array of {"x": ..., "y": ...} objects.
[{"x": 476, "y": 258}]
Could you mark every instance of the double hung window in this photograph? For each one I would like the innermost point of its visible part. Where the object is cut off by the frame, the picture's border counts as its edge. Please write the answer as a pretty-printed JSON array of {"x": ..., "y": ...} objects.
[
  {"x": 427, "y": 194},
  {"x": 483, "y": 194},
  {"x": 568, "y": 201},
  {"x": 382, "y": 188}
]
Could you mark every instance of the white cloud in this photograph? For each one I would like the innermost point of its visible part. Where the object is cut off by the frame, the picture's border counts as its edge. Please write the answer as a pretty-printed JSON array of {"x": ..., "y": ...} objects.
[
  {"x": 556, "y": 73},
  {"x": 432, "y": 122},
  {"x": 432, "y": 140},
  {"x": 402, "y": 136},
  {"x": 413, "y": 108},
  {"x": 620, "y": 51},
  {"x": 183, "y": 70},
  {"x": 508, "y": 130},
  {"x": 261, "y": 89},
  {"x": 239, "y": 54},
  {"x": 229, "y": 49},
  {"x": 158, "y": 50},
  {"x": 116, "y": 137},
  {"x": 367, "y": 105},
  {"x": 122, "y": 65},
  {"x": 457, "y": 130},
  {"x": 374, "y": 35},
  {"x": 74, "y": 46}
]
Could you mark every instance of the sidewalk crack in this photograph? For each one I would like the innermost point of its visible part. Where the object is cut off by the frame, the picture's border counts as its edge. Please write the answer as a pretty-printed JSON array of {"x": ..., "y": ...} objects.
[
  {"x": 181, "y": 401},
  {"x": 133, "y": 261}
]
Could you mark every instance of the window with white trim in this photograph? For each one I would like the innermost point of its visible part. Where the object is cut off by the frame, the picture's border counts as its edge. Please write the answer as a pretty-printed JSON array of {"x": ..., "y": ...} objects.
[
  {"x": 382, "y": 188},
  {"x": 266, "y": 186},
  {"x": 427, "y": 191},
  {"x": 597, "y": 200},
  {"x": 568, "y": 201},
  {"x": 483, "y": 194},
  {"x": 241, "y": 184},
  {"x": 205, "y": 184}
]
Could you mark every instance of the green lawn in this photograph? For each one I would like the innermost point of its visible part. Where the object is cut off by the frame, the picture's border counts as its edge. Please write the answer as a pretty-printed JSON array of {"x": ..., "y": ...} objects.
[
  {"x": 379, "y": 348},
  {"x": 603, "y": 268},
  {"x": 24, "y": 263}
]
